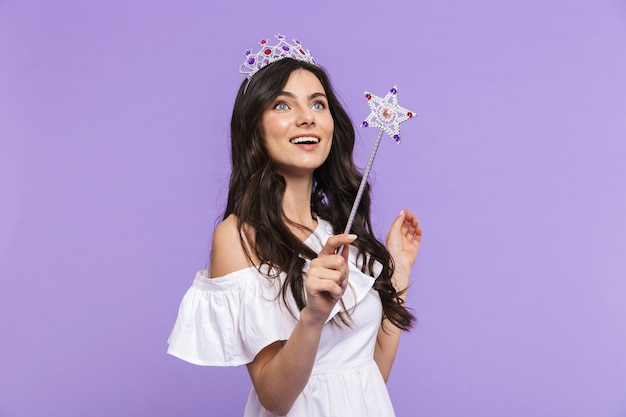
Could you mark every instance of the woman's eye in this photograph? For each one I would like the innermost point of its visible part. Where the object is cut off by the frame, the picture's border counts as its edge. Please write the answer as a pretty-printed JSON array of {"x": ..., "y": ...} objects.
[
  {"x": 281, "y": 106},
  {"x": 319, "y": 106}
]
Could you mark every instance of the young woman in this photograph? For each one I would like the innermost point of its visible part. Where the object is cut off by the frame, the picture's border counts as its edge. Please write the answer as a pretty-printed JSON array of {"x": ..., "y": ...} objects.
[{"x": 316, "y": 316}]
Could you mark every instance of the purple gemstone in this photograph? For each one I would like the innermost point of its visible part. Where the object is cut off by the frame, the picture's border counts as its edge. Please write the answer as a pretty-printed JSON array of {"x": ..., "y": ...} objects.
[
  {"x": 251, "y": 61},
  {"x": 248, "y": 52},
  {"x": 394, "y": 91},
  {"x": 365, "y": 124},
  {"x": 396, "y": 138},
  {"x": 285, "y": 48},
  {"x": 279, "y": 36}
]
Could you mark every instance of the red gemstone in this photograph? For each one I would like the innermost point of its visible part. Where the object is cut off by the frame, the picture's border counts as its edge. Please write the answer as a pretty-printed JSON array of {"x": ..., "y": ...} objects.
[
  {"x": 267, "y": 51},
  {"x": 409, "y": 114},
  {"x": 368, "y": 96},
  {"x": 263, "y": 41},
  {"x": 302, "y": 52}
]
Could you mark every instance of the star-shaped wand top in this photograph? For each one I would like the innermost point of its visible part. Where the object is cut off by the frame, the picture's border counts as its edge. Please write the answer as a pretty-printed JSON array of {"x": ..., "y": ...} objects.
[{"x": 386, "y": 113}]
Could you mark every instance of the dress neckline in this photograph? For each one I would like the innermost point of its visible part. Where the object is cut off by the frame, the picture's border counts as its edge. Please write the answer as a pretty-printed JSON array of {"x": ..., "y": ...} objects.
[{"x": 323, "y": 230}]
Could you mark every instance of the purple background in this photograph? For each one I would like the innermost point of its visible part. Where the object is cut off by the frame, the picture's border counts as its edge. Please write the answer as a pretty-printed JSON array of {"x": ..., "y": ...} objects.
[{"x": 113, "y": 166}]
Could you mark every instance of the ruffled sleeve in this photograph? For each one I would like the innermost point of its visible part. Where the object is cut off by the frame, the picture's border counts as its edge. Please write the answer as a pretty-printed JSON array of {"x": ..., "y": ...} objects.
[{"x": 226, "y": 321}]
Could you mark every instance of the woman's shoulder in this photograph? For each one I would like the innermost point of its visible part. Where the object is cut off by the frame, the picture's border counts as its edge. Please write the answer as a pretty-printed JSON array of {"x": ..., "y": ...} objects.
[
  {"x": 226, "y": 228},
  {"x": 228, "y": 253}
]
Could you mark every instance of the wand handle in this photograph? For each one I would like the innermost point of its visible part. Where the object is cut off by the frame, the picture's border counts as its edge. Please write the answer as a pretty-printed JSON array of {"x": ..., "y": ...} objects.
[{"x": 359, "y": 194}]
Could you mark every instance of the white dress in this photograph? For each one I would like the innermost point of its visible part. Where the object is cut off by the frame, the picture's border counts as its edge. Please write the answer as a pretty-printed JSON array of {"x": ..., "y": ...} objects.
[{"x": 226, "y": 321}]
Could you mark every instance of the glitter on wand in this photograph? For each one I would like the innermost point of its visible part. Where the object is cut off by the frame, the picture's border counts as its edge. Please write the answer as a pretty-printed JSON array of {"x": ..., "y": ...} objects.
[{"x": 386, "y": 114}]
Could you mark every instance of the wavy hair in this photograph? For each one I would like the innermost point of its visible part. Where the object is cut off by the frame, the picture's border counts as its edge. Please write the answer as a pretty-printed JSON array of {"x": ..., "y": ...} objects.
[{"x": 256, "y": 191}]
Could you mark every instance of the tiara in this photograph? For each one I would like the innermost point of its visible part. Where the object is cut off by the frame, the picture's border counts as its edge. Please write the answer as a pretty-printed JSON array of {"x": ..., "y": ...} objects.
[{"x": 272, "y": 53}]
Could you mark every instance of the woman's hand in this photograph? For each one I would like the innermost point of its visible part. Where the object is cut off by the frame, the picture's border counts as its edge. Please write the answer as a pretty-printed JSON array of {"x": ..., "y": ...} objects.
[
  {"x": 403, "y": 242},
  {"x": 327, "y": 277}
]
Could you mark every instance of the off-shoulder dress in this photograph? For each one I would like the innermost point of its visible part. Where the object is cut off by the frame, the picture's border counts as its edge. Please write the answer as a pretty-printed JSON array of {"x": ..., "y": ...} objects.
[{"x": 226, "y": 321}]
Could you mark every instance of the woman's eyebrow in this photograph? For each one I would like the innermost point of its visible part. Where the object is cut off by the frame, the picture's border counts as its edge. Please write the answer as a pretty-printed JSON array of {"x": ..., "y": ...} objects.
[{"x": 311, "y": 97}]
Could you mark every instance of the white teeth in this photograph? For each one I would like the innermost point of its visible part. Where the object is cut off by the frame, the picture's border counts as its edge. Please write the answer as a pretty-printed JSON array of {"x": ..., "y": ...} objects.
[{"x": 305, "y": 139}]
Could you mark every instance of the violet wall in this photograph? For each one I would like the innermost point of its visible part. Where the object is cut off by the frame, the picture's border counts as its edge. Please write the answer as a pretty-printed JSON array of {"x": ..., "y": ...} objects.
[{"x": 113, "y": 168}]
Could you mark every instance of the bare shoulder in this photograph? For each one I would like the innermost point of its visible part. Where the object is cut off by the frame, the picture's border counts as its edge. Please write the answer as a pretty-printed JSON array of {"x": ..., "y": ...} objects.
[{"x": 227, "y": 253}]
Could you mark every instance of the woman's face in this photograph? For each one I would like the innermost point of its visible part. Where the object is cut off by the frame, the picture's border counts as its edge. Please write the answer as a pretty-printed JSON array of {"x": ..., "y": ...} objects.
[{"x": 297, "y": 126}]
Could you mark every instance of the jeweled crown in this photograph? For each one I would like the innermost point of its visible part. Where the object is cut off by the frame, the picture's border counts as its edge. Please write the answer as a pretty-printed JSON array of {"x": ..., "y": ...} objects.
[{"x": 272, "y": 53}]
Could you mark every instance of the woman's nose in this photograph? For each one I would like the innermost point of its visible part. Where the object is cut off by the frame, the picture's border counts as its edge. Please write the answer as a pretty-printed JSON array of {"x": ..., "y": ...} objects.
[{"x": 306, "y": 117}]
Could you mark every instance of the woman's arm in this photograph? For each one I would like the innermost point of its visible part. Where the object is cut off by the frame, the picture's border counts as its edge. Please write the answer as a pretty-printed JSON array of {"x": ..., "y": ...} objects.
[
  {"x": 281, "y": 370},
  {"x": 403, "y": 240}
]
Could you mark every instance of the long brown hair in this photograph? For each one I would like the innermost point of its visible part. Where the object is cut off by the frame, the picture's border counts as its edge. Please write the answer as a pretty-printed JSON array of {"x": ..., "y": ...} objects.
[{"x": 256, "y": 191}]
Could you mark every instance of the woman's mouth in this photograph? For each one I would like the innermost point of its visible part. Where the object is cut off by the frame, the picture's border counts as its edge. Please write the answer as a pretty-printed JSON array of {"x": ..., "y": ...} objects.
[{"x": 305, "y": 140}]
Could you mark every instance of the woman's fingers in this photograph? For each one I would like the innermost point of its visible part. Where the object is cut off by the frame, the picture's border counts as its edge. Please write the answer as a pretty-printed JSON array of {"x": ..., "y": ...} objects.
[
  {"x": 335, "y": 242},
  {"x": 406, "y": 224},
  {"x": 418, "y": 232},
  {"x": 414, "y": 232},
  {"x": 325, "y": 272},
  {"x": 330, "y": 287},
  {"x": 328, "y": 273},
  {"x": 398, "y": 222},
  {"x": 405, "y": 230},
  {"x": 410, "y": 223},
  {"x": 334, "y": 261},
  {"x": 329, "y": 267}
]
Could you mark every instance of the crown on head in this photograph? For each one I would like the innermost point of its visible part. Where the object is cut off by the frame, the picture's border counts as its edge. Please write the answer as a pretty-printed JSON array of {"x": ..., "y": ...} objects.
[{"x": 272, "y": 53}]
